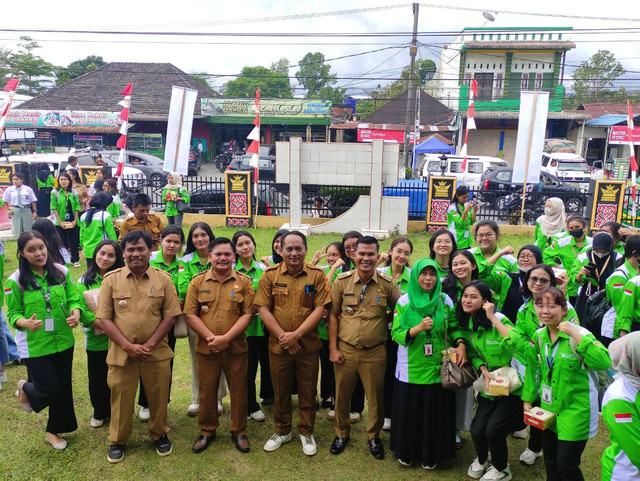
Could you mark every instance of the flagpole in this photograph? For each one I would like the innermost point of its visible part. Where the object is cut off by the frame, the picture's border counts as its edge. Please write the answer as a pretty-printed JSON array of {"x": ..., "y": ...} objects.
[{"x": 526, "y": 167}]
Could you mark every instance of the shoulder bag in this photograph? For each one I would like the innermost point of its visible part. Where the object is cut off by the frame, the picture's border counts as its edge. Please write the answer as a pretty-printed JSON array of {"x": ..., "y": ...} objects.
[{"x": 453, "y": 376}]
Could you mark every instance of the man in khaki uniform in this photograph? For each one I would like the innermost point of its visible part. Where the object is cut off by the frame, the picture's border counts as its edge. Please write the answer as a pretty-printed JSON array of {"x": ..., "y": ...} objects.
[
  {"x": 137, "y": 309},
  {"x": 357, "y": 335},
  {"x": 292, "y": 297},
  {"x": 219, "y": 307},
  {"x": 143, "y": 219}
]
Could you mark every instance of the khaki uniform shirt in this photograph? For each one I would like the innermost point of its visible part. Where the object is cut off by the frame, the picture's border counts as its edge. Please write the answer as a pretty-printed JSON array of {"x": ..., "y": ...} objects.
[
  {"x": 220, "y": 305},
  {"x": 153, "y": 226},
  {"x": 137, "y": 306},
  {"x": 363, "y": 314},
  {"x": 291, "y": 299}
]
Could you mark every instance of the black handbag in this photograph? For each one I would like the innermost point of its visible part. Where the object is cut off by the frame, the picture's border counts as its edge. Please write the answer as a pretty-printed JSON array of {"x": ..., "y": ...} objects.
[{"x": 182, "y": 206}]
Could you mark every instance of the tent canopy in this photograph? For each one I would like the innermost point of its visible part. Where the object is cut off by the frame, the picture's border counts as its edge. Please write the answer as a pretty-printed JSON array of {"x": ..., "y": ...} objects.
[{"x": 434, "y": 145}]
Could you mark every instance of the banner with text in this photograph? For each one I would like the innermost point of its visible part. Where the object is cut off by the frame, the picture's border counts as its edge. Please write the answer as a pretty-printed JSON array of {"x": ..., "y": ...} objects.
[
  {"x": 620, "y": 135},
  {"x": 61, "y": 118},
  {"x": 299, "y": 109}
]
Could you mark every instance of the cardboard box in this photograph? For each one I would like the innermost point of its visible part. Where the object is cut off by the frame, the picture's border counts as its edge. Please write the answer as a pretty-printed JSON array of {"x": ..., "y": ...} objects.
[
  {"x": 539, "y": 418},
  {"x": 498, "y": 386},
  {"x": 453, "y": 355}
]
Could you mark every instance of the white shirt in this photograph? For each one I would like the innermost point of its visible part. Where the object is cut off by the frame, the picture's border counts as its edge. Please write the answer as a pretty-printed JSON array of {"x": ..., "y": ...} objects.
[
  {"x": 11, "y": 196},
  {"x": 71, "y": 167}
]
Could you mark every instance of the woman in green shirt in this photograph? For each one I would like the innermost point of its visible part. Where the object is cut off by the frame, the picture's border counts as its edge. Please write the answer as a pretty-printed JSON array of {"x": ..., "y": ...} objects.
[
  {"x": 551, "y": 223},
  {"x": 44, "y": 306},
  {"x": 423, "y": 426},
  {"x": 171, "y": 194},
  {"x": 107, "y": 256},
  {"x": 96, "y": 225},
  {"x": 257, "y": 338},
  {"x": 461, "y": 214},
  {"x": 441, "y": 245},
  {"x": 65, "y": 207},
  {"x": 196, "y": 260}
]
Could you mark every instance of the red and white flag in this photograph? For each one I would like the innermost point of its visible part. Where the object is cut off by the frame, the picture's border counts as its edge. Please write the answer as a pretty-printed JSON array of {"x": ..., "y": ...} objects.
[
  {"x": 125, "y": 103},
  {"x": 471, "y": 122},
  {"x": 634, "y": 164},
  {"x": 6, "y": 99},
  {"x": 254, "y": 137},
  {"x": 623, "y": 418}
]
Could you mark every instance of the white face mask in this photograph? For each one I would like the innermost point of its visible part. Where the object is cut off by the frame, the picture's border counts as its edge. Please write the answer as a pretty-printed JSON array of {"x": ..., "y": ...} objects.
[
  {"x": 548, "y": 210},
  {"x": 600, "y": 254}
]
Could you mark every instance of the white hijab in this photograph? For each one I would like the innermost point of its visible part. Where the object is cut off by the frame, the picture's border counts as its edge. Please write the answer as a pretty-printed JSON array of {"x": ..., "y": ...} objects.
[
  {"x": 625, "y": 354},
  {"x": 177, "y": 181},
  {"x": 553, "y": 223}
]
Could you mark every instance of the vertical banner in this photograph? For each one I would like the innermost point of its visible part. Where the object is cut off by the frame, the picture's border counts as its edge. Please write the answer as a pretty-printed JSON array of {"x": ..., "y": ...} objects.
[
  {"x": 6, "y": 171},
  {"x": 88, "y": 174},
  {"x": 176, "y": 152},
  {"x": 441, "y": 191},
  {"x": 532, "y": 128},
  {"x": 607, "y": 202},
  {"x": 237, "y": 190}
]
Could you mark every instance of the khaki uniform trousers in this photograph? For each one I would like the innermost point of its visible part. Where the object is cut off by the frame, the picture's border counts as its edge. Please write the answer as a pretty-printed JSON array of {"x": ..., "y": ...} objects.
[
  {"x": 303, "y": 367},
  {"x": 123, "y": 381},
  {"x": 210, "y": 368},
  {"x": 370, "y": 364}
]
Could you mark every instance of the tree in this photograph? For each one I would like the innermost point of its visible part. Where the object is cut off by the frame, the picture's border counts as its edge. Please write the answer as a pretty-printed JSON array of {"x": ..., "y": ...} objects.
[
  {"x": 314, "y": 74},
  {"x": 594, "y": 78},
  {"x": 335, "y": 94},
  {"x": 200, "y": 79},
  {"x": 281, "y": 66},
  {"x": 5, "y": 66},
  {"x": 423, "y": 68},
  {"x": 271, "y": 83},
  {"x": 77, "y": 68},
  {"x": 33, "y": 71}
]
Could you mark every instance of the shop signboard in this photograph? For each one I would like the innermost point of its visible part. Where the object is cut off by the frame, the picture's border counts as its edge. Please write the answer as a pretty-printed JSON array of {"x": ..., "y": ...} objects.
[
  {"x": 299, "y": 109},
  {"x": 238, "y": 199},
  {"x": 395, "y": 136},
  {"x": 441, "y": 191},
  {"x": 620, "y": 135},
  {"x": 61, "y": 118}
]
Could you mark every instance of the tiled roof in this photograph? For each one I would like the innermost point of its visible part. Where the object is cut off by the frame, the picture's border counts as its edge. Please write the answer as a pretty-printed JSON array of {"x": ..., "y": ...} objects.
[
  {"x": 597, "y": 109},
  {"x": 432, "y": 112},
  {"x": 100, "y": 89}
]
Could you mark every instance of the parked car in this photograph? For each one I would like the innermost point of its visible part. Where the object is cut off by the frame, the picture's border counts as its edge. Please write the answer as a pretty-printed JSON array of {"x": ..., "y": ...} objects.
[
  {"x": 209, "y": 198},
  {"x": 476, "y": 165},
  {"x": 150, "y": 165},
  {"x": 266, "y": 162},
  {"x": 568, "y": 167},
  {"x": 496, "y": 185}
]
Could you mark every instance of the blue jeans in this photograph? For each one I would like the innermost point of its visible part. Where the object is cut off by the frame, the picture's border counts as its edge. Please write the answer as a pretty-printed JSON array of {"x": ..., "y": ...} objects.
[{"x": 12, "y": 347}]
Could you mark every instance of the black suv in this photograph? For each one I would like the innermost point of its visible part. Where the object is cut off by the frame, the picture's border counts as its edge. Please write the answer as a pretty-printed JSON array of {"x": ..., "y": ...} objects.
[{"x": 495, "y": 185}]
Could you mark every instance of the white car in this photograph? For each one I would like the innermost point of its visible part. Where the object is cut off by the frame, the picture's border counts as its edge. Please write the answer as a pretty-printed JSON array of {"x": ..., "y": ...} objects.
[
  {"x": 476, "y": 165},
  {"x": 570, "y": 168}
]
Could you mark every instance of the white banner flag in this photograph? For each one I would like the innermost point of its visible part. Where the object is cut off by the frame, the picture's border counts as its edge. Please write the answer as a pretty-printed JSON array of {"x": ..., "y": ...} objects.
[
  {"x": 176, "y": 152},
  {"x": 532, "y": 128}
]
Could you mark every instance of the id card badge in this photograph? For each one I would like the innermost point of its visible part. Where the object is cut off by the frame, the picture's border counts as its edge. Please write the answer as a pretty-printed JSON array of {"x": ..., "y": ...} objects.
[
  {"x": 48, "y": 324},
  {"x": 547, "y": 396},
  {"x": 428, "y": 350}
]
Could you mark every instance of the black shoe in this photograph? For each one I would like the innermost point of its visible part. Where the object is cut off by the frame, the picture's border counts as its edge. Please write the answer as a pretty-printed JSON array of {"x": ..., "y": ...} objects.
[
  {"x": 338, "y": 445},
  {"x": 241, "y": 442},
  {"x": 163, "y": 445},
  {"x": 376, "y": 448},
  {"x": 202, "y": 443},
  {"x": 327, "y": 404},
  {"x": 267, "y": 402},
  {"x": 115, "y": 453}
]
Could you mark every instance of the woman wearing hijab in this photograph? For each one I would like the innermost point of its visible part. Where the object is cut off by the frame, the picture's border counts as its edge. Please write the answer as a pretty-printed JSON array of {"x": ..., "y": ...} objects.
[
  {"x": 621, "y": 412},
  {"x": 46, "y": 183},
  {"x": 551, "y": 223},
  {"x": 171, "y": 194},
  {"x": 96, "y": 225},
  {"x": 424, "y": 427}
]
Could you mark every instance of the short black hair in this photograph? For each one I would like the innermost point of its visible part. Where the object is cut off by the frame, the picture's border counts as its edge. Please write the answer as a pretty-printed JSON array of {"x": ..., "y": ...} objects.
[
  {"x": 294, "y": 232},
  {"x": 632, "y": 247},
  {"x": 18, "y": 175},
  {"x": 172, "y": 229},
  {"x": 134, "y": 236},
  {"x": 222, "y": 241},
  {"x": 368, "y": 240},
  {"x": 72, "y": 158},
  {"x": 577, "y": 217},
  {"x": 141, "y": 199},
  {"x": 488, "y": 223}
]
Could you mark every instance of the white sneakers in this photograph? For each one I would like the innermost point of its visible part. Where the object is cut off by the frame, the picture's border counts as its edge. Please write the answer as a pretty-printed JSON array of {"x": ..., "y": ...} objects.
[
  {"x": 477, "y": 470},
  {"x": 354, "y": 418},
  {"x": 96, "y": 423},
  {"x": 144, "y": 414},
  {"x": 522, "y": 434},
  {"x": 60, "y": 445},
  {"x": 387, "y": 424},
  {"x": 528, "y": 457},
  {"x": 276, "y": 441},
  {"x": 308, "y": 445},
  {"x": 193, "y": 409},
  {"x": 257, "y": 416},
  {"x": 331, "y": 415},
  {"x": 494, "y": 475},
  {"x": 3, "y": 377}
]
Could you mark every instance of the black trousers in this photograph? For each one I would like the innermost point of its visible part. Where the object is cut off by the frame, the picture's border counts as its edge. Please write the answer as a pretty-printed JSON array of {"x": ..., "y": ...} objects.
[
  {"x": 258, "y": 353},
  {"x": 535, "y": 435},
  {"x": 142, "y": 396},
  {"x": 327, "y": 377},
  {"x": 99, "y": 391},
  {"x": 390, "y": 375},
  {"x": 50, "y": 385},
  {"x": 562, "y": 458},
  {"x": 71, "y": 240},
  {"x": 493, "y": 422}
]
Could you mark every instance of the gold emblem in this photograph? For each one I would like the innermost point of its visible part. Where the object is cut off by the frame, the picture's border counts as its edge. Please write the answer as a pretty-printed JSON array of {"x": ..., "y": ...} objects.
[
  {"x": 122, "y": 303},
  {"x": 5, "y": 175},
  {"x": 205, "y": 309},
  {"x": 442, "y": 188},
  {"x": 349, "y": 310},
  {"x": 237, "y": 182},
  {"x": 609, "y": 193}
]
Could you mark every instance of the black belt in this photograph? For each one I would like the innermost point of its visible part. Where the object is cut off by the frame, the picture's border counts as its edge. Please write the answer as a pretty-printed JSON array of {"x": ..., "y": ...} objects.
[{"x": 362, "y": 348}]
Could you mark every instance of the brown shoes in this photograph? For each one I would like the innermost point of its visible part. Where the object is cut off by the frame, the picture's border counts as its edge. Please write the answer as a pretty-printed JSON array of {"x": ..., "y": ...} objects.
[
  {"x": 242, "y": 443},
  {"x": 202, "y": 443}
]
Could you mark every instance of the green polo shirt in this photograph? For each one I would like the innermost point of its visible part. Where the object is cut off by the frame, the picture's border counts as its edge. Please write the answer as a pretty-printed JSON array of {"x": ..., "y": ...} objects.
[
  {"x": 170, "y": 205},
  {"x": 460, "y": 228},
  {"x": 615, "y": 294},
  {"x": 506, "y": 263},
  {"x": 629, "y": 312},
  {"x": 157, "y": 260},
  {"x": 93, "y": 342},
  {"x": 255, "y": 272},
  {"x": 99, "y": 229},
  {"x": 59, "y": 201}
]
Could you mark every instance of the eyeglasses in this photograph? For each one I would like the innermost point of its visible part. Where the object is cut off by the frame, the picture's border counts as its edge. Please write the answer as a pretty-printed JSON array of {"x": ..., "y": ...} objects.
[
  {"x": 527, "y": 257},
  {"x": 539, "y": 280},
  {"x": 486, "y": 236}
]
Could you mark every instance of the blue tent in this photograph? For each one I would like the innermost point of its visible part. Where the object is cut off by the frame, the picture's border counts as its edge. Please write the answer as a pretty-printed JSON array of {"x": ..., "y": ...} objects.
[{"x": 433, "y": 145}]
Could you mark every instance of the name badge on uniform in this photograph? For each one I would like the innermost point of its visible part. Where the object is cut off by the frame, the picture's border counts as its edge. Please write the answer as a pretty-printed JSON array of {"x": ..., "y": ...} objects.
[
  {"x": 49, "y": 325},
  {"x": 428, "y": 350},
  {"x": 547, "y": 395}
]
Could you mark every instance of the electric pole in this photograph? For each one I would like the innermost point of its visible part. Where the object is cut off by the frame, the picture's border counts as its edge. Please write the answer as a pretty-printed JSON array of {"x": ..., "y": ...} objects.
[{"x": 410, "y": 115}]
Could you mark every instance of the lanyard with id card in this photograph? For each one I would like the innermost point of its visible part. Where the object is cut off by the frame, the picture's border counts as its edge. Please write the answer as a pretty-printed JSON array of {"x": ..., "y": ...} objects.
[
  {"x": 49, "y": 323},
  {"x": 428, "y": 346},
  {"x": 546, "y": 394}
]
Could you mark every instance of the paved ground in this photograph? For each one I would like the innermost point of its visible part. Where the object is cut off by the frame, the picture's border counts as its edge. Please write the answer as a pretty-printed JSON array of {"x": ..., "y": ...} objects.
[{"x": 209, "y": 170}]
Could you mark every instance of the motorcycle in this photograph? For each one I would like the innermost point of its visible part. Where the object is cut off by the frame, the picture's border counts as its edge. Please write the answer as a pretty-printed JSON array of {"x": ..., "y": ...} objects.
[
  {"x": 223, "y": 160},
  {"x": 512, "y": 210}
]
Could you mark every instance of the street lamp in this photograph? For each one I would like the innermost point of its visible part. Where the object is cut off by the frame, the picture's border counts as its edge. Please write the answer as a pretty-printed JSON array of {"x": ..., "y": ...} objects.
[{"x": 443, "y": 163}]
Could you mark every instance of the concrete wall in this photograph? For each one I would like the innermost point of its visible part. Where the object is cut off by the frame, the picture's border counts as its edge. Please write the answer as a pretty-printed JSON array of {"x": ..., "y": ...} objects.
[{"x": 487, "y": 142}]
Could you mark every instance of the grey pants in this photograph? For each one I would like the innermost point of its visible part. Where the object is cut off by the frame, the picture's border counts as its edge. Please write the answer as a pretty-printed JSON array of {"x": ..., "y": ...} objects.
[
  {"x": 175, "y": 220},
  {"x": 21, "y": 220}
]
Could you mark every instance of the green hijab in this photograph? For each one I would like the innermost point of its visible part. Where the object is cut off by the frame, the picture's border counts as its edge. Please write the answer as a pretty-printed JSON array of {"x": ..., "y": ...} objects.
[{"x": 423, "y": 304}]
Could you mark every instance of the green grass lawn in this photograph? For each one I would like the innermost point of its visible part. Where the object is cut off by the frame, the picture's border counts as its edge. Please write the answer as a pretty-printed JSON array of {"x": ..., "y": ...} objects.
[{"x": 24, "y": 453}]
